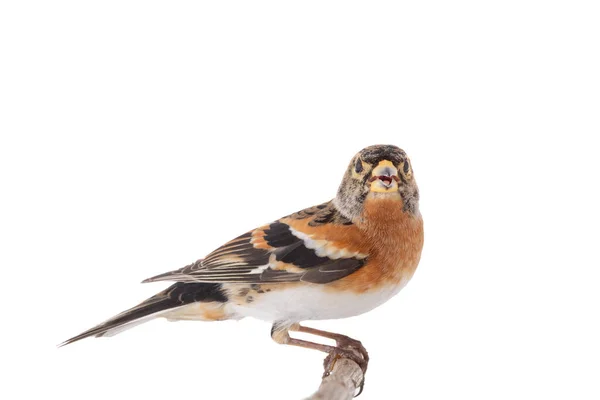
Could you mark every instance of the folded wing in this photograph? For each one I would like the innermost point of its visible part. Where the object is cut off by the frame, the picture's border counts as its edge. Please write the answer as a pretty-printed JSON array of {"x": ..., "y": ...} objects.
[{"x": 270, "y": 254}]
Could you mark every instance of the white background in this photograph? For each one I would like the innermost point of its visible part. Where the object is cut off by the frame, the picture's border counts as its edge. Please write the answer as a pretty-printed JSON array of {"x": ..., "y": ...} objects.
[{"x": 138, "y": 136}]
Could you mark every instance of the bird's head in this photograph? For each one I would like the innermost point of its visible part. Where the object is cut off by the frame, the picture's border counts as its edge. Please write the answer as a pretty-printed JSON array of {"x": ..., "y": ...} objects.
[{"x": 378, "y": 172}]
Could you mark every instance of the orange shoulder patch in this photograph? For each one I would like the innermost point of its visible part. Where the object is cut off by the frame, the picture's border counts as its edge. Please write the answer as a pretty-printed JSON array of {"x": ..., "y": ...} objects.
[{"x": 346, "y": 240}]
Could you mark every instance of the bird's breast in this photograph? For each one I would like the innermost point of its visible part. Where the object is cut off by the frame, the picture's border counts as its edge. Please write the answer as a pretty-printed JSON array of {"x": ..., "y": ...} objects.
[{"x": 394, "y": 239}]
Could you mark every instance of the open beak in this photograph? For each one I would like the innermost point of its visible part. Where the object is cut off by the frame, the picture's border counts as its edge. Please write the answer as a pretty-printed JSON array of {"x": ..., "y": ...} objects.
[{"x": 384, "y": 177}]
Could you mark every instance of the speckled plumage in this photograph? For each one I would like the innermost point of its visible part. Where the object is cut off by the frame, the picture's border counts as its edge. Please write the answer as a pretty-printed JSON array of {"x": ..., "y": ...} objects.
[{"x": 334, "y": 260}]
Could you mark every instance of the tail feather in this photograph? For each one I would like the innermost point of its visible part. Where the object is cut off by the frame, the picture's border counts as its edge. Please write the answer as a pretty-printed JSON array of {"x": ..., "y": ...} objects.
[
  {"x": 177, "y": 295},
  {"x": 125, "y": 319}
]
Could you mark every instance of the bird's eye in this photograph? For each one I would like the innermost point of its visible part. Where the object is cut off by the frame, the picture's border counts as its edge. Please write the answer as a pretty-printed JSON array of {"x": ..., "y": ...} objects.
[
  {"x": 406, "y": 167},
  {"x": 358, "y": 167}
]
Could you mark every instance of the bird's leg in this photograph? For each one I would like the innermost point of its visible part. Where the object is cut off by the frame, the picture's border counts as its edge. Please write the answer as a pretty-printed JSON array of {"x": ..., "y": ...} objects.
[
  {"x": 280, "y": 334},
  {"x": 342, "y": 341},
  {"x": 352, "y": 350}
]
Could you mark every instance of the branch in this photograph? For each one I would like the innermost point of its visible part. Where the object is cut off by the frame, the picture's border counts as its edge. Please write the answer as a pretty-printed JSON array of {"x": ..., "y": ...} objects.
[{"x": 342, "y": 382}]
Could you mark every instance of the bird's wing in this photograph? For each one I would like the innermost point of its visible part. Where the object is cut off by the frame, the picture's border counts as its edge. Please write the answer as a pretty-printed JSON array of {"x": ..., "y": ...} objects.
[{"x": 299, "y": 247}]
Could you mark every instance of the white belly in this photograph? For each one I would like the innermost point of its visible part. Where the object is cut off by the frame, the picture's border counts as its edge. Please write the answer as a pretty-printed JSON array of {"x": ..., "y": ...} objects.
[{"x": 311, "y": 302}]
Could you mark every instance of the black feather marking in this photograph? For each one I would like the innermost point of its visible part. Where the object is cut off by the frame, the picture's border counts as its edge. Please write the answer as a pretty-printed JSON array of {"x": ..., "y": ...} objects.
[
  {"x": 193, "y": 292},
  {"x": 279, "y": 235},
  {"x": 301, "y": 256},
  {"x": 333, "y": 271}
]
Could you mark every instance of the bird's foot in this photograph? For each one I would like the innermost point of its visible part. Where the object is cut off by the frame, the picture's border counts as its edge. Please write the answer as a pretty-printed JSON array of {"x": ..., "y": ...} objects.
[
  {"x": 346, "y": 342},
  {"x": 350, "y": 353}
]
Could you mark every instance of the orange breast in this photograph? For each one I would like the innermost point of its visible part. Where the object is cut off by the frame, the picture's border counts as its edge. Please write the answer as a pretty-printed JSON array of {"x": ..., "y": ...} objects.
[{"x": 394, "y": 239}]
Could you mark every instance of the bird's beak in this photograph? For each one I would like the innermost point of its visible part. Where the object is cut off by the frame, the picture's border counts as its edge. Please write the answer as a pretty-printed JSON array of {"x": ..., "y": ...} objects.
[{"x": 384, "y": 177}]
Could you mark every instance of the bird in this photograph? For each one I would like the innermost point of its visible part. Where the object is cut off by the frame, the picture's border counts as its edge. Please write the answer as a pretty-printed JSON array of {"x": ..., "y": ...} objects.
[{"x": 334, "y": 260}]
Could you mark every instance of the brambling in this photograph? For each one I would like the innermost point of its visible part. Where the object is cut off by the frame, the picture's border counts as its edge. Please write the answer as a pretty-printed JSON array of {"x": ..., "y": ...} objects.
[{"x": 334, "y": 260}]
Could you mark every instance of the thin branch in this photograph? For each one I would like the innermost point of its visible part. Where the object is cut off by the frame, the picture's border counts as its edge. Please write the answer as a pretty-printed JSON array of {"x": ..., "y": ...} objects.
[{"x": 342, "y": 382}]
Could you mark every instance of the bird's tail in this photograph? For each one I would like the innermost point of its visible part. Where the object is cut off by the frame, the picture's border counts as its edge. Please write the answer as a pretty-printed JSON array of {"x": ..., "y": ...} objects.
[{"x": 178, "y": 295}]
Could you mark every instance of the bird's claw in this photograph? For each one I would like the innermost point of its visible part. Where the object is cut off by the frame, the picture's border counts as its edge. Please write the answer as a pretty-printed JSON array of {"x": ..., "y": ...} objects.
[
  {"x": 351, "y": 353},
  {"x": 353, "y": 344}
]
